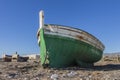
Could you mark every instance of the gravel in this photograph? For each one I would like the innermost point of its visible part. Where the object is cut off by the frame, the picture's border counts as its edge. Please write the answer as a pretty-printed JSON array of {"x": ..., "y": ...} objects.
[{"x": 103, "y": 70}]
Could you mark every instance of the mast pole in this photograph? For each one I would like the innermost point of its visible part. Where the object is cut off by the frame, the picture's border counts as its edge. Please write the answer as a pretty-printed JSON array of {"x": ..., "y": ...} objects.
[{"x": 41, "y": 19}]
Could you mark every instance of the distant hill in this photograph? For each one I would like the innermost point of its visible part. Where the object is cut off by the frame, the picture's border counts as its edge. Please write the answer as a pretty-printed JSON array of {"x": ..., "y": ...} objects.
[{"x": 111, "y": 54}]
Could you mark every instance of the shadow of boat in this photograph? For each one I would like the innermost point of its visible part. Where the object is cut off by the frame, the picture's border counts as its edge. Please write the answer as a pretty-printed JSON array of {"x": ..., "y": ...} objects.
[{"x": 108, "y": 67}]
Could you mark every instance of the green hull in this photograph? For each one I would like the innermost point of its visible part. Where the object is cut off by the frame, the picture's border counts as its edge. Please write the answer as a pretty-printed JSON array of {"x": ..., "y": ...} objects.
[{"x": 59, "y": 51}]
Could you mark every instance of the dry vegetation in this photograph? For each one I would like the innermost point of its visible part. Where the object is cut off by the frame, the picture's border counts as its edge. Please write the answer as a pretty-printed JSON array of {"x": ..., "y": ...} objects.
[{"x": 106, "y": 69}]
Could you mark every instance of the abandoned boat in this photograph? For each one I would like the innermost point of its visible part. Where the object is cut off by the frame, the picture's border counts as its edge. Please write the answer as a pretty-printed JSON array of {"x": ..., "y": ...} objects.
[{"x": 63, "y": 46}]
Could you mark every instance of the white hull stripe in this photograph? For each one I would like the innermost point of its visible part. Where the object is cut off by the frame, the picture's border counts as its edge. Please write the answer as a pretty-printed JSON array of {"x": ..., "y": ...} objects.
[{"x": 73, "y": 33}]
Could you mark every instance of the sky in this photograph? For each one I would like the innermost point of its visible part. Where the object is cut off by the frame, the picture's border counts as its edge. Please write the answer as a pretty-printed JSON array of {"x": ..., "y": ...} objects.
[{"x": 19, "y": 22}]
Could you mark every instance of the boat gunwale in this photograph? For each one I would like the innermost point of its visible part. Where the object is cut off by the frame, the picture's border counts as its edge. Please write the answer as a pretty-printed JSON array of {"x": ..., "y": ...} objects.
[
  {"x": 73, "y": 30},
  {"x": 78, "y": 31}
]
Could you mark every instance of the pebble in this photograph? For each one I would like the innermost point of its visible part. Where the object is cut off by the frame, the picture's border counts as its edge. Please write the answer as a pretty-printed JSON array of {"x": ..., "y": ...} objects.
[
  {"x": 26, "y": 79},
  {"x": 12, "y": 75},
  {"x": 71, "y": 74},
  {"x": 54, "y": 76},
  {"x": 63, "y": 75}
]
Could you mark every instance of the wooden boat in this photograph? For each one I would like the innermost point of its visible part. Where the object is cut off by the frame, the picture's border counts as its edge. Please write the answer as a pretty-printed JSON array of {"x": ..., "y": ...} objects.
[
  {"x": 7, "y": 58},
  {"x": 63, "y": 46}
]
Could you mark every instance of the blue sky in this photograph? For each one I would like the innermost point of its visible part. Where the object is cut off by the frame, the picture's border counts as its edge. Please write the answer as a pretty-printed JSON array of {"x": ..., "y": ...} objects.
[{"x": 19, "y": 21}]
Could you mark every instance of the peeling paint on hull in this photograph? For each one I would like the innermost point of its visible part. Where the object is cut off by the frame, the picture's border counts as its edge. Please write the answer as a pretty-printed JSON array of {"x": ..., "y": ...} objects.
[{"x": 62, "y": 46}]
